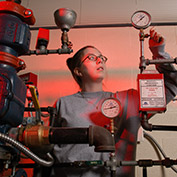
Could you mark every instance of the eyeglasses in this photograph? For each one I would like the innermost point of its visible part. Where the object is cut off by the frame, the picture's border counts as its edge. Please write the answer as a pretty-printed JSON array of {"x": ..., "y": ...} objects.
[{"x": 93, "y": 57}]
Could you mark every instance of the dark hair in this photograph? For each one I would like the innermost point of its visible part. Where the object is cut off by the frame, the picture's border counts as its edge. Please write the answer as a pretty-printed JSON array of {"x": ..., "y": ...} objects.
[{"x": 75, "y": 61}]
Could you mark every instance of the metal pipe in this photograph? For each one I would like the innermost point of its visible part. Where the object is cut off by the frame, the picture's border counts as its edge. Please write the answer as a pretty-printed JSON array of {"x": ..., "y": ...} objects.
[
  {"x": 106, "y": 25},
  {"x": 65, "y": 135},
  {"x": 39, "y": 135},
  {"x": 98, "y": 136},
  {"x": 27, "y": 152},
  {"x": 101, "y": 138},
  {"x": 160, "y": 61},
  {"x": 149, "y": 127},
  {"x": 144, "y": 122},
  {"x": 43, "y": 109},
  {"x": 164, "y": 127},
  {"x": 46, "y": 52}
]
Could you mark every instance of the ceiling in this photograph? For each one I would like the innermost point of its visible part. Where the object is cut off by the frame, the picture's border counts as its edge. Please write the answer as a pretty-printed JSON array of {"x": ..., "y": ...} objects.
[{"x": 91, "y": 12}]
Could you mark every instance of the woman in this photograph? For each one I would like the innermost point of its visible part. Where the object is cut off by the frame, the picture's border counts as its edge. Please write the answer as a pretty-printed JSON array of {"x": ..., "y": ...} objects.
[{"x": 88, "y": 67}]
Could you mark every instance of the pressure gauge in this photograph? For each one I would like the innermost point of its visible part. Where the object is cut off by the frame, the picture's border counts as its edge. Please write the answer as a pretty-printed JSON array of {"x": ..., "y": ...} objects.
[
  {"x": 141, "y": 19},
  {"x": 111, "y": 108}
]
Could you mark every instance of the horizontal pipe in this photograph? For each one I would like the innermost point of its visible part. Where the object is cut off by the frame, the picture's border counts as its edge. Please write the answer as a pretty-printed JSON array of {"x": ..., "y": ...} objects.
[
  {"x": 164, "y": 127},
  {"x": 149, "y": 127},
  {"x": 39, "y": 135},
  {"x": 67, "y": 135},
  {"x": 160, "y": 61},
  {"x": 96, "y": 136},
  {"x": 46, "y": 52},
  {"x": 106, "y": 25},
  {"x": 167, "y": 162},
  {"x": 43, "y": 109}
]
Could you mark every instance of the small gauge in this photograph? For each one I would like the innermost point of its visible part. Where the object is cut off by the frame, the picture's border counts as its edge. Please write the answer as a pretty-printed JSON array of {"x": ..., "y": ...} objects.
[
  {"x": 111, "y": 108},
  {"x": 141, "y": 19}
]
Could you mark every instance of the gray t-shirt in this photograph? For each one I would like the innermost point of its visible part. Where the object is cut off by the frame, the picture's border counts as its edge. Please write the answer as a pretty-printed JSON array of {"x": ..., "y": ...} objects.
[{"x": 84, "y": 109}]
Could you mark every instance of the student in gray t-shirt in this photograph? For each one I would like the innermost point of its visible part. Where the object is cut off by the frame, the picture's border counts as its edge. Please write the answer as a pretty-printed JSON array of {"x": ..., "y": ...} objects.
[{"x": 88, "y": 67}]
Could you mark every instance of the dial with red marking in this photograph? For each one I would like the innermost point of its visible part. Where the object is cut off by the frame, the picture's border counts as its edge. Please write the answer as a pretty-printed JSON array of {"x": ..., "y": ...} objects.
[
  {"x": 111, "y": 108},
  {"x": 141, "y": 19}
]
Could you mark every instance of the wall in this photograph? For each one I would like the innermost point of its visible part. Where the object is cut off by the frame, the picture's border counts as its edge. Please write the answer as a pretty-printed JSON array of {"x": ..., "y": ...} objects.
[{"x": 121, "y": 46}]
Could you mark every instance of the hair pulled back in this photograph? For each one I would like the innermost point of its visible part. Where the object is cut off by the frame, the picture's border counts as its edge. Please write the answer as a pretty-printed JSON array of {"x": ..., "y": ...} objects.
[{"x": 75, "y": 61}]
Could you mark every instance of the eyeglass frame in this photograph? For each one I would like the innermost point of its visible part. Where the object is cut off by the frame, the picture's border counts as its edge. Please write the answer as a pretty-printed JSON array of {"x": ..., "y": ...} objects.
[{"x": 96, "y": 58}]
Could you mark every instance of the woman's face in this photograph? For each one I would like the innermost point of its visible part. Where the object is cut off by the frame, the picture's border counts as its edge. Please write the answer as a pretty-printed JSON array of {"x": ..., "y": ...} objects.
[{"x": 92, "y": 71}]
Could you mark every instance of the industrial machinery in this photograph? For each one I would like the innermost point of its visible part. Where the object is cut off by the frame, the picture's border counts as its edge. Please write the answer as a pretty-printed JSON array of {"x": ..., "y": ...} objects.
[{"x": 22, "y": 136}]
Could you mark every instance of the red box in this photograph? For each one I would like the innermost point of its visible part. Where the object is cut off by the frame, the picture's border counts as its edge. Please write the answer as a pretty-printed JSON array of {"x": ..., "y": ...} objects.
[
  {"x": 151, "y": 92},
  {"x": 29, "y": 78}
]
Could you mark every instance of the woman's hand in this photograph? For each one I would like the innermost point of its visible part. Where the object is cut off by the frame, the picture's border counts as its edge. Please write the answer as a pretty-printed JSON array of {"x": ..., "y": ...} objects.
[{"x": 155, "y": 38}]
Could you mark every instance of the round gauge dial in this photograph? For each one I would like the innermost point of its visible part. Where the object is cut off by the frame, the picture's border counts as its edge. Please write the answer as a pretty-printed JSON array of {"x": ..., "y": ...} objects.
[
  {"x": 141, "y": 19},
  {"x": 111, "y": 108}
]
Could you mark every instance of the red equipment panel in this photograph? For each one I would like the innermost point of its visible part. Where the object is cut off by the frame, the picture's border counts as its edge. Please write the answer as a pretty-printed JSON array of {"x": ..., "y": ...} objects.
[{"x": 151, "y": 92}]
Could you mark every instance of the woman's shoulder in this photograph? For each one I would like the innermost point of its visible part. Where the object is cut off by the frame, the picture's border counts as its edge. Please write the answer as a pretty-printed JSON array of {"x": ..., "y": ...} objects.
[
  {"x": 65, "y": 99},
  {"x": 130, "y": 94},
  {"x": 68, "y": 97},
  {"x": 128, "y": 91}
]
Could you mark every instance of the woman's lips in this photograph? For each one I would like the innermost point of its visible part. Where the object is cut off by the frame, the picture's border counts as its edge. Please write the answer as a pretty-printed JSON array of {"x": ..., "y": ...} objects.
[{"x": 100, "y": 68}]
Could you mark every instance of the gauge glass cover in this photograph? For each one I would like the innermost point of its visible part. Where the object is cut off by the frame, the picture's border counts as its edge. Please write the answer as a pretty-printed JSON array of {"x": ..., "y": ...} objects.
[
  {"x": 141, "y": 19},
  {"x": 111, "y": 107}
]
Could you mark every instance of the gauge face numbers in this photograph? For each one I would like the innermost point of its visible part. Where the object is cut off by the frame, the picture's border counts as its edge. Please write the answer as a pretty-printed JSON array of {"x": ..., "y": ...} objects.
[
  {"x": 141, "y": 19},
  {"x": 111, "y": 108}
]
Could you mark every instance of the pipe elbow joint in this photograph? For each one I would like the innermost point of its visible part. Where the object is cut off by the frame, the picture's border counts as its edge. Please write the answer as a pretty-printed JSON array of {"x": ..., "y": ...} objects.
[
  {"x": 101, "y": 138},
  {"x": 147, "y": 126}
]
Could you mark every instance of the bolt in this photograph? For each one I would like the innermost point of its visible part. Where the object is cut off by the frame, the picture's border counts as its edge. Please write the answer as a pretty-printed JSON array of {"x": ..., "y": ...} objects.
[{"x": 27, "y": 12}]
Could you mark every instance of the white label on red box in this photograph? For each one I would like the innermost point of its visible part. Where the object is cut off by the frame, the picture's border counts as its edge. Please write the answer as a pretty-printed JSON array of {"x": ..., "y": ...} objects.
[{"x": 152, "y": 93}]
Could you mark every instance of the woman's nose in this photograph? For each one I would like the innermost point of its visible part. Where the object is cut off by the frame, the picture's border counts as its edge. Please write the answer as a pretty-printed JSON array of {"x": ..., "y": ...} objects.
[{"x": 99, "y": 60}]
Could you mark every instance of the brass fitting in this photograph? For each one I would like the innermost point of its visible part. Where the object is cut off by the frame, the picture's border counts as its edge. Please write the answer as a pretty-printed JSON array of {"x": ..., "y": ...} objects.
[{"x": 36, "y": 135}]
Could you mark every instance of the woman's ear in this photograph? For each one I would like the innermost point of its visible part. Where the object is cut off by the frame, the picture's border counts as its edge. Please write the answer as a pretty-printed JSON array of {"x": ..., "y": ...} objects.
[{"x": 77, "y": 72}]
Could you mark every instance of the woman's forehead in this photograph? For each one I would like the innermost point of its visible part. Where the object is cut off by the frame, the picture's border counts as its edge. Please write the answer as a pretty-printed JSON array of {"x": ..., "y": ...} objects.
[{"x": 90, "y": 50}]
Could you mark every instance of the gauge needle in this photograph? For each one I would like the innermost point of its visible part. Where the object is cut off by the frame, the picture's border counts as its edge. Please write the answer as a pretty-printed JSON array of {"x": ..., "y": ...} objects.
[
  {"x": 140, "y": 19},
  {"x": 111, "y": 107}
]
